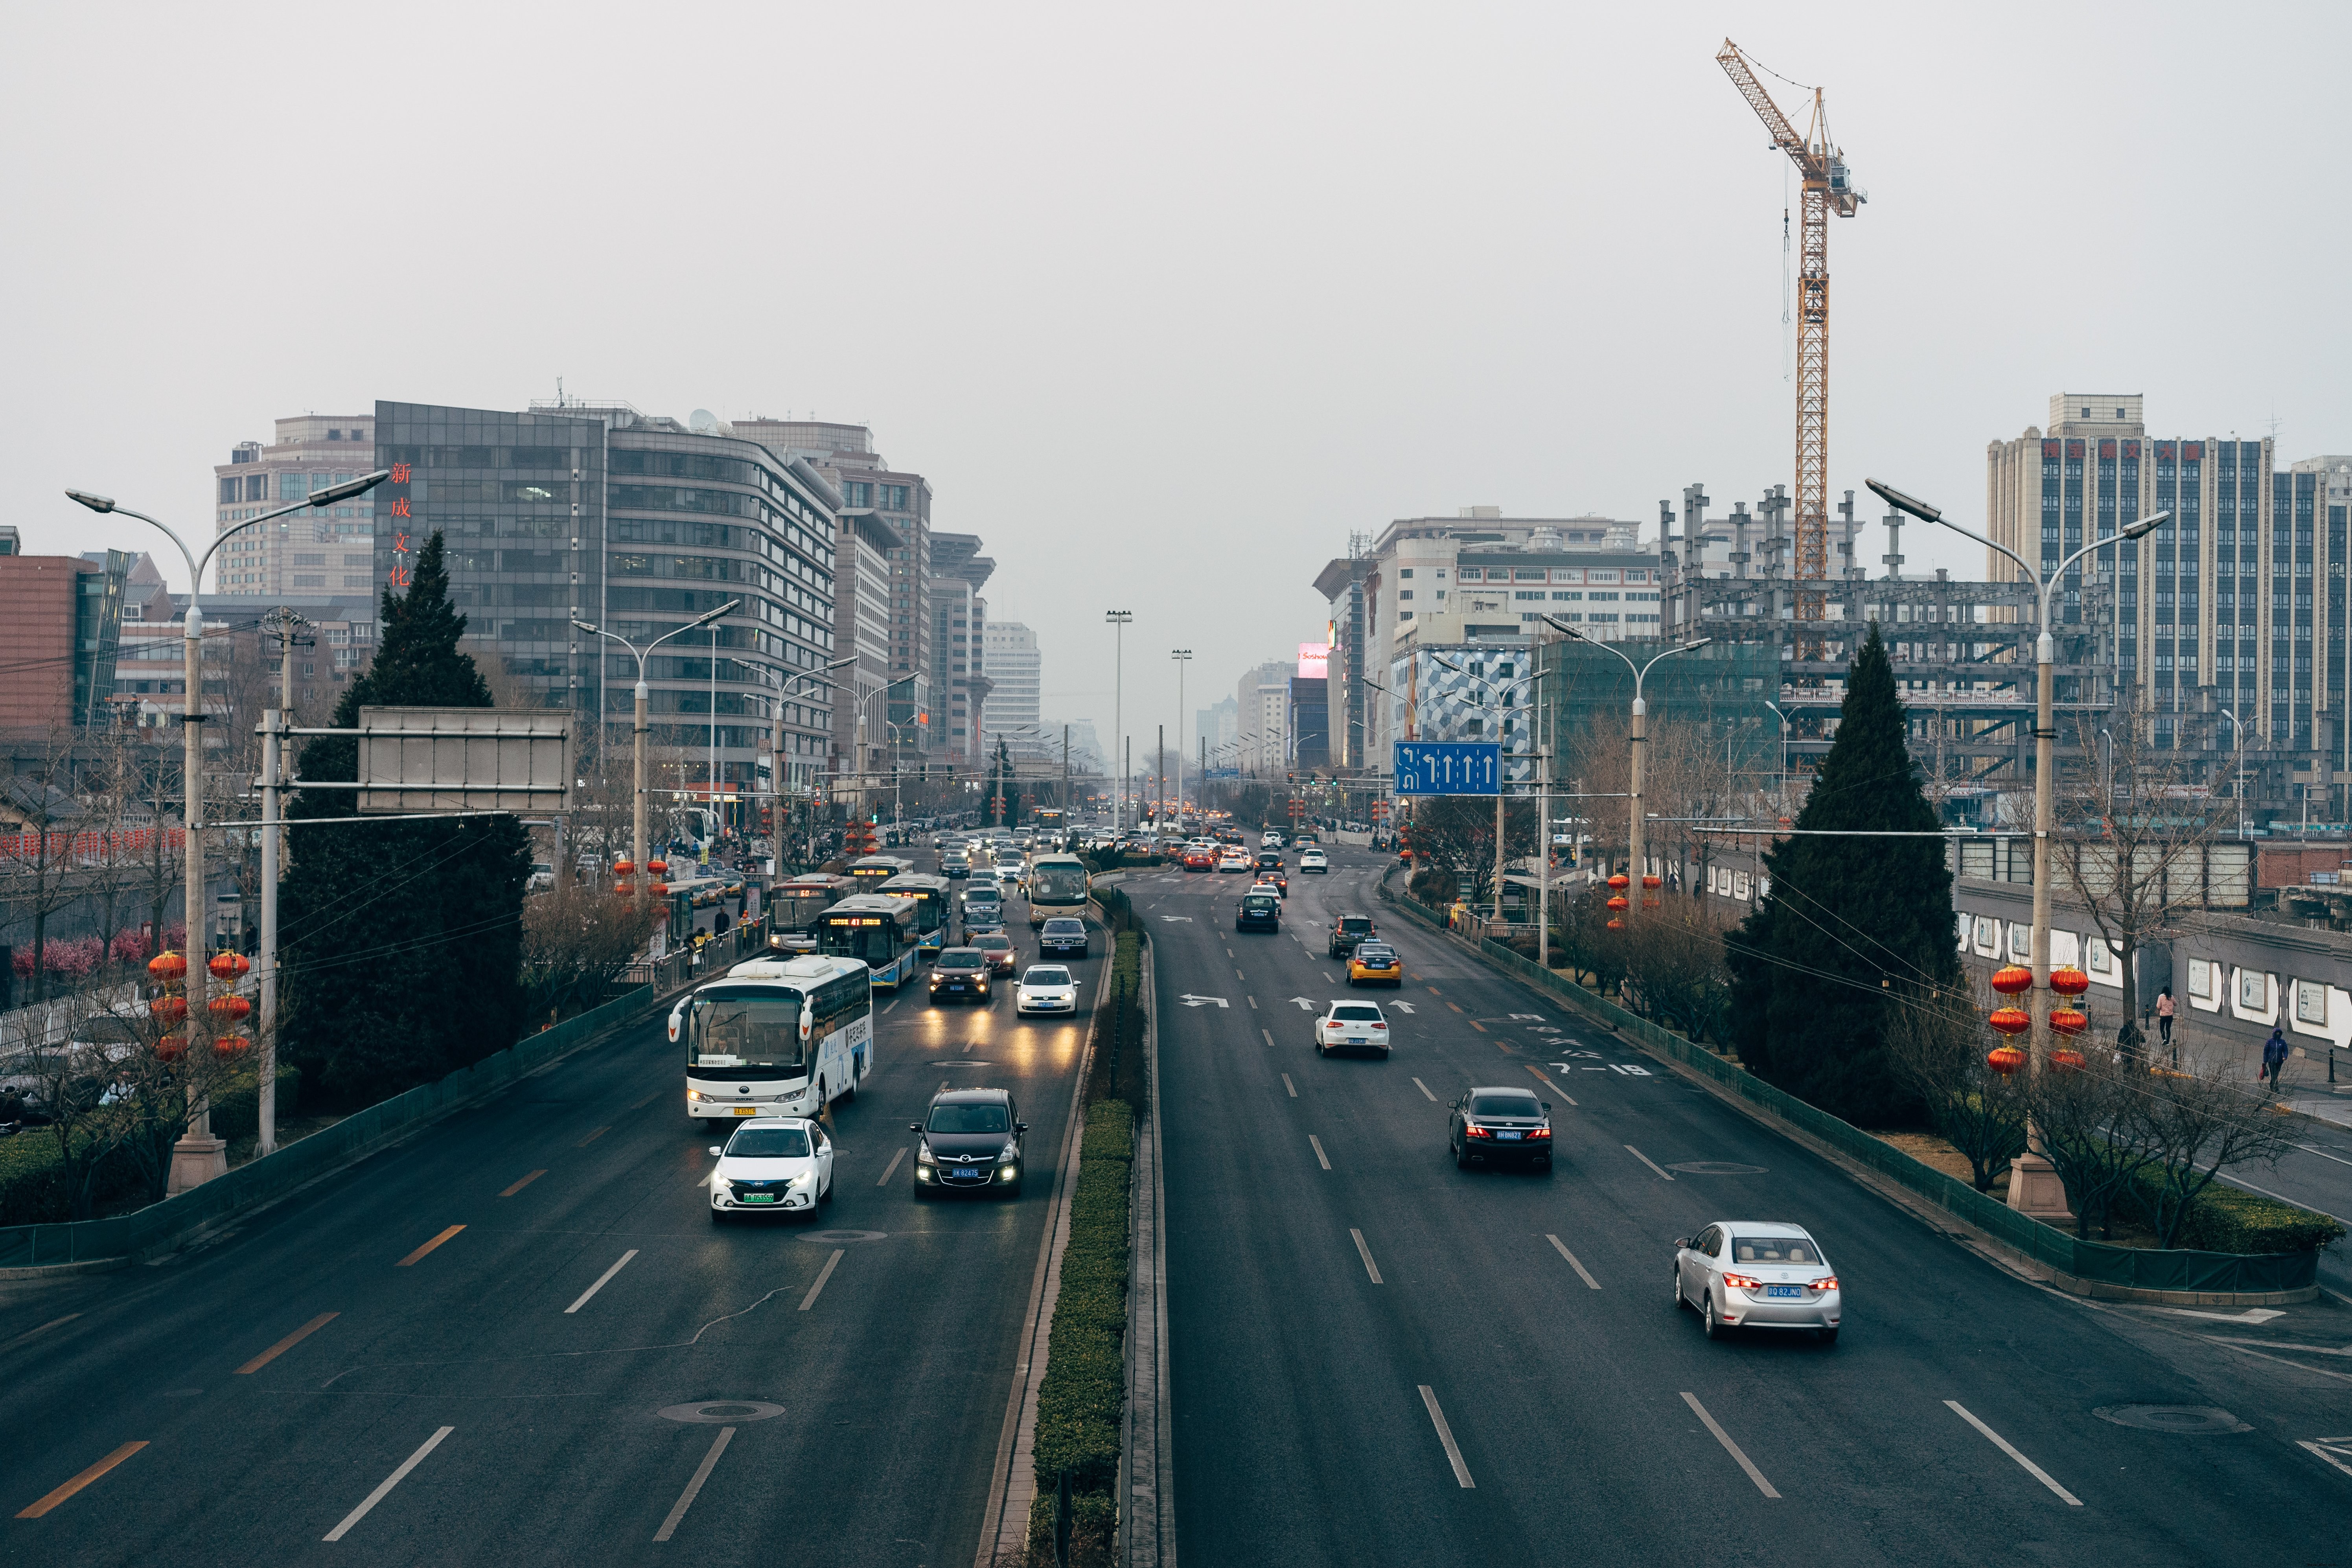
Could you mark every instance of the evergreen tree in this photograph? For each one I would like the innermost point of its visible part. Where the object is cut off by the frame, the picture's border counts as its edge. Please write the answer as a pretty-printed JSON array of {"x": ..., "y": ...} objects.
[
  {"x": 1851, "y": 922},
  {"x": 402, "y": 940}
]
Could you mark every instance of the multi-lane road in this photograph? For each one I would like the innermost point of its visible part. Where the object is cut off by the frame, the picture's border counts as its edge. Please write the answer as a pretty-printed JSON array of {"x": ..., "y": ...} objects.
[
  {"x": 491, "y": 1332},
  {"x": 1378, "y": 1358}
]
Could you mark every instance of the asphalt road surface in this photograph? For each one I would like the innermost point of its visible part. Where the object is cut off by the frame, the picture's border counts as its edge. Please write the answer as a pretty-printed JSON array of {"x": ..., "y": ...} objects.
[
  {"x": 510, "y": 1384},
  {"x": 1391, "y": 1360}
]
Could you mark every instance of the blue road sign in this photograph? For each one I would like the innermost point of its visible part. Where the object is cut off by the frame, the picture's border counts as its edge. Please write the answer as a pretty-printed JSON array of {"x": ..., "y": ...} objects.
[{"x": 1448, "y": 767}]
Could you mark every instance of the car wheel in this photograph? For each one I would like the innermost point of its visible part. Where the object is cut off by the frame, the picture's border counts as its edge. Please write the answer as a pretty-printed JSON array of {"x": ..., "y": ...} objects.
[
  {"x": 1828, "y": 1337},
  {"x": 717, "y": 1217},
  {"x": 1707, "y": 1322},
  {"x": 1682, "y": 1302},
  {"x": 1013, "y": 1193},
  {"x": 1322, "y": 1049},
  {"x": 1384, "y": 1053}
]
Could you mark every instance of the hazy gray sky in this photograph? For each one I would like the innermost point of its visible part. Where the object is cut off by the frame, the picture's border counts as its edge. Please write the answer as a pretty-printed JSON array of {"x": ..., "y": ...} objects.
[{"x": 1164, "y": 302}]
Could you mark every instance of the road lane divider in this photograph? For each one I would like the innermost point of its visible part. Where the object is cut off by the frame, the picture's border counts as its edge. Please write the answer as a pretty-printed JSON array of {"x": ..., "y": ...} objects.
[
  {"x": 287, "y": 1344},
  {"x": 1269, "y": 1037},
  {"x": 81, "y": 1480},
  {"x": 521, "y": 1184},
  {"x": 31, "y": 1334},
  {"x": 694, "y": 1487},
  {"x": 600, "y": 1281},
  {"x": 1445, "y": 1436},
  {"x": 591, "y": 1137},
  {"x": 892, "y": 1169},
  {"x": 1290, "y": 1086},
  {"x": 1547, "y": 1083},
  {"x": 1320, "y": 1158},
  {"x": 1998, "y": 1441},
  {"x": 1582, "y": 1272},
  {"x": 1477, "y": 1025},
  {"x": 823, "y": 1275},
  {"x": 411, "y": 1259},
  {"x": 1646, "y": 1161},
  {"x": 1730, "y": 1446},
  {"x": 383, "y": 1490},
  {"x": 1251, "y": 1000},
  {"x": 1424, "y": 1091},
  {"x": 1365, "y": 1252}
]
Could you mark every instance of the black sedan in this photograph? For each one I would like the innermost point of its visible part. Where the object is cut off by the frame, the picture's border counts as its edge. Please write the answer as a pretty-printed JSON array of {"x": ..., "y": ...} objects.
[
  {"x": 1063, "y": 934},
  {"x": 1499, "y": 1126},
  {"x": 963, "y": 974},
  {"x": 972, "y": 1140}
]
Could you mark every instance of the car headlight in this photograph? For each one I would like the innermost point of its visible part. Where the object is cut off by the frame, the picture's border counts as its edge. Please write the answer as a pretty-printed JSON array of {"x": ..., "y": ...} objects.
[
  {"x": 923, "y": 1155},
  {"x": 694, "y": 1094},
  {"x": 1008, "y": 1155},
  {"x": 803, "y": 1179}
]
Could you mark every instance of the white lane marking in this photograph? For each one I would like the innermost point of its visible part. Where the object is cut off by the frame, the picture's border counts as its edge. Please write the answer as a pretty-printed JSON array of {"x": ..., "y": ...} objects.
[
  {"x": 2251, "y": 1315},
  {"x": 1731, "y": 1447},
  {"x": 390, "y": 1481},
  {"x": 2327, "y": 1454},
  {"x": 2282, "y": 1345},
  {"x": 601, "y": 1281},
  {"x": 2241, "y": 1348},
  {"x": 1424, "y": 1089},
  {"x": 701, "y": 1474},
  {"x": 1365, "y": 1252},
  {"x": 1580, "y": 1271},
  {"x": 2313, "y": 1149},
  {"x": 893, "y": 1168},
  {"x": 1445, "y": 1435},
  {"x": 1303, "y": 1002},
  {"x": 1269, "y": 1037},
  {"x": 1252, "y": 1001},
  {"x": 823, "y": 1275},
  {"x": 892, "y": 1003},
  {"x": 1645, "y": 1160},
  {"x": 1547, "y": 1083},
  {"x": 1320, "y": 1158},
  {"x": 1401, "y": 1007},
  {"x": 35, "y": 1333},
  {"x": 1290, "y": 1086},
  {"x": 1998, "y": 1441},
  {"x": 1191, "y": 1000}
]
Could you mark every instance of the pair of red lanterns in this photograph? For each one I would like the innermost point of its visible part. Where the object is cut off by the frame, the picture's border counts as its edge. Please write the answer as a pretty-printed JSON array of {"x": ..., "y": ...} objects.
[
  {"x": 2068, "y": 1020},
  {"x": 170, "y": 969},
  {"x": 1618, "y": 902},
  {"x": 657, "y": 867}
]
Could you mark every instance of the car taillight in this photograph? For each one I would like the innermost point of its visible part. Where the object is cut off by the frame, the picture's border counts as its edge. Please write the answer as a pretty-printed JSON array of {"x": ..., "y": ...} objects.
[
  {"x": 1474, "y": 1130},
  {"x": 1379, "y": 1026},
  {"x": 1743, "y": 1282},
  {"x": 1540, "y": 1133},
  {"x": 1828, "y": 1284}
]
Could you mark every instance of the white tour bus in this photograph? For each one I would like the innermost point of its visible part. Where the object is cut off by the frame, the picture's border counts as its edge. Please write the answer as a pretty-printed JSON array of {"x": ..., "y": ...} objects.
[{"x": 777, "y": 1036}]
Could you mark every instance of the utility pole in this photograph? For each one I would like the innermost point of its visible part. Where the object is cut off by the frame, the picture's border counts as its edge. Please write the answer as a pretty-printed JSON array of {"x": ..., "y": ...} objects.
[
  {"x": 284, "y": 623},
  {"x": 1116, "y": 620},
  {"x": 1183, "y": 656}
]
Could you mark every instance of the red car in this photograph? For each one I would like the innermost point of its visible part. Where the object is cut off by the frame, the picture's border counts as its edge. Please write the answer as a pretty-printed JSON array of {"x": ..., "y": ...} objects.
[{"x": 1200, "y": 860}]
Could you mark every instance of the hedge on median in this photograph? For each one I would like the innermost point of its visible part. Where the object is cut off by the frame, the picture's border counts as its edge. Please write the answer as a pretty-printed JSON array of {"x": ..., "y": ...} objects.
[
  {"x": 34, "y": 1189},
  {"x": 1083, "y": 1396}
]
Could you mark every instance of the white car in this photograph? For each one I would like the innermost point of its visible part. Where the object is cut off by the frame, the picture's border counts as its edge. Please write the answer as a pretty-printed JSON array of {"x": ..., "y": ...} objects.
[
  {"x": 1757, "y": 1274},
  {"x": 771, "y": 1163},
  {"x": 1232, "y": 861},
  {"x": 1352, "y": 1025},
  {"x": 1045, "y": 988},
  {"x": 1314, "y": 860},
  {"x": 1271, "y": 841}
]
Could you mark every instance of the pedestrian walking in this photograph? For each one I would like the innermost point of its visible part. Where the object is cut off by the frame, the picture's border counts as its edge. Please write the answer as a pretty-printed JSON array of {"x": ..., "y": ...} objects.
[
  {"x": 2164, "y": 1014},
  {"x": 2275, "y": 1056}
]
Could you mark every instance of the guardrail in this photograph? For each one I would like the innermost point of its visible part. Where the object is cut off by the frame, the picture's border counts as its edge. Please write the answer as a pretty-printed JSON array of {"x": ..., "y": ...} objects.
[
  {"x": 2091, "y": 1265},
  {"x": 686, "y": 965}
]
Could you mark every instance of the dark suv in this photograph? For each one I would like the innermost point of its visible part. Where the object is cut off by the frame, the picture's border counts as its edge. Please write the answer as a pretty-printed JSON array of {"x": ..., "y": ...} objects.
[
  {"x": 1346, "y": 931},
  {"x": 1258, "y": 910},
  {"x": 972, "y": 1141}
]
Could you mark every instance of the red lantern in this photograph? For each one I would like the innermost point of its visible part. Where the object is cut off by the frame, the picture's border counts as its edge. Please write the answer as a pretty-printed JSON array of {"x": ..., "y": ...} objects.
[
  {"x": 170, "y": 1009},
  {"x": 228, "y": 966},
  {"x": 624, "y": 868},
  {"x": 1621, "y": 881},
  {"x": 2069, "y": 982},
  {"x": 2004, "y": 1059},
  {"x": 168, "y": 966},
  {"x": 2067, "y": 1021},
  {"x": 2066, "y": 1061},
  {"x": 661, "y": 890},
  {"x": 170, "y": 1048},
  {"x": 2010, "y": 1020},
  {"x": 1653, "y": 882},
  {"x": 659, "y": 868},
  {"x": 1618, "y": 902},
  {"x": 2012, "y": 980},
  {"x": 1616, "y": 925},
  {"x": 620, "y": 887},
  {"x": 230, "y": 1047},
  {"x": 229, "y": 1009}
]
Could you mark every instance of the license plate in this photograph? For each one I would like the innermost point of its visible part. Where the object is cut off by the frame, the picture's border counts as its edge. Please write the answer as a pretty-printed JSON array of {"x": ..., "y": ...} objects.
[
  {"x": 1510, "y": 1137},
  {"x": 1783, "y": 1292},
  {"x": 746, "y": 1110},
  {"x": 759, "y": 1197}
]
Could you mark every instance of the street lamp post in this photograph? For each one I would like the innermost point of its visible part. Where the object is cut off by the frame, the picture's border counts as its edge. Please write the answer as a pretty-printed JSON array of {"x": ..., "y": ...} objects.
[
  {"x": 776, "y": 749},
  {"x": 637, "y": 817},
  {"x": 2238, "y": 744},
  {"x": 1783, "y": 780},
  {"x": 199, "y": 1156},
  {"x": 2033, "y": 1185},
  {"x": 1183, "y": 656},
  {"x": 1116, "y": 620},
  {"x": 1637, "y": 744}
]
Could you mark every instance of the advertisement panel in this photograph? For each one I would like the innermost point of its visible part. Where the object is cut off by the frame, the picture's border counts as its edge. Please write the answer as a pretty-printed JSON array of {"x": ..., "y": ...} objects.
[{"x": 1314, "y": 660}]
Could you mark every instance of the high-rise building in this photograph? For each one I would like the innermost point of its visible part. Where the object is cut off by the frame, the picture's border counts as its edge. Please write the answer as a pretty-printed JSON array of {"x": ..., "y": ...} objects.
[
  {"x": 2235, "y": 601},
  {"x": 1262, "y": 713},
  {"x": 1214, "y": 728},
  {"x": 1015, "y": 671},
  {"x": 316, "y": 551},
  {"x": 60, "y": 623},
  {"x": 959, "y": 653}
]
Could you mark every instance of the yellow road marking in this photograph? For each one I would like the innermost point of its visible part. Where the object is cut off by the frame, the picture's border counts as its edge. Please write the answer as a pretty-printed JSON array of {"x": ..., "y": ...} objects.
[
  {"x": 428, "y": 1247},
  {"x": 521, "y": 1184},
  {"x": 82, "y": 1480},
  {"x": 591, "y": 1138},
  {"x": 287, "y": 1344}
]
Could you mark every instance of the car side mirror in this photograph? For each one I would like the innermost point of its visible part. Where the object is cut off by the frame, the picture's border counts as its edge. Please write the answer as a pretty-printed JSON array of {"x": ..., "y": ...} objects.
[
  {"x": 1544, "y": 1104},
  {"x": 1682, "y": 1243},
  {"x": 913, "y": 1127},
  {"x": 716, "y": 1149},
  {"x": 1021, "y": 1127}
]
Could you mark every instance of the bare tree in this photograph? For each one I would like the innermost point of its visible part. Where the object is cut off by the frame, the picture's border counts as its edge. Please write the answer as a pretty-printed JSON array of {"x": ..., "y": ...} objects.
[
  {"x": 577, "y": 938},
  {"x": 1935, "y": 1041},
  {"x": 1674, "y": 968},
  {"x": 39, "y": 822},
  {"x": 2200, "y": 1123}
]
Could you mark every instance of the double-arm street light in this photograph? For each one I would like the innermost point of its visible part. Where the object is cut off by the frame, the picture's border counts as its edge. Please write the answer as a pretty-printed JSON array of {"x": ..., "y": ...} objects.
[
  {"x": 637, "y": 817},
  {"x": 1501, "y": 780},
  {"x": 2033, "y": 1184},
  {"x": 1116, "y": 620},
  {"x": 199, "y": 1156},
  {"x": 1637, "y": 745},
  {"x": 1183, "y": 656}
]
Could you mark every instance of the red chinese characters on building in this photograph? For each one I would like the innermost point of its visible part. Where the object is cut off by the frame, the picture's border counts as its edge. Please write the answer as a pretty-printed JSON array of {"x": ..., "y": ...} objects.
[{"x": 402, "y": 543}]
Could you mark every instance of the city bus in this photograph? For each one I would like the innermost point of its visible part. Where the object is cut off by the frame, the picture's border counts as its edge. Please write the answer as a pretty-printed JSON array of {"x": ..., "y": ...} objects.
[
  {"x": 1059, "y": 885},
  {"x": 873, "y": 870},
  {"x": 877, "y": 929},
  {"x": 794, "y": 906},
  {"x": 934, "y": 904},
  {"x": 776, "y": 1037}
]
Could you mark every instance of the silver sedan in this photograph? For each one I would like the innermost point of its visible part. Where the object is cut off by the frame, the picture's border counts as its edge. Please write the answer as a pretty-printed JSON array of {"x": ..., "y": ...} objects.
[{"x": 1757, "y": 1274}]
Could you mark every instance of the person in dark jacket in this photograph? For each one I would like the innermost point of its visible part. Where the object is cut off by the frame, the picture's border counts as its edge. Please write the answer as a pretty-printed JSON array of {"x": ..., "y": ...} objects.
[{"x": 2274, "y": 1051}]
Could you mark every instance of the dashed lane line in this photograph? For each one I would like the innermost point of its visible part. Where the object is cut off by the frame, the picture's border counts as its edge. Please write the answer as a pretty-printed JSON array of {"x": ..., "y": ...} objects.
[
  {"x": 1646, "y": 1161},
  {"x": 1320, "y": 1158},
  {"x": 1548, "y": 1084},
  {"x": 1269, "y": 1037},
  {"x": 36, "y": 1509},
  {"x": 1290, "y": 1086},
  {"x": 1365, "y": 1252},
  {"x": 1424, "y": 1089},
  {"x": 1998, "y": 1441},
  {"x": 1445, "y": 1436},
  {"x": 701, "y": 1474},
  {"x": 521, "y": 1184},
  {"x": 893, "y": 1168},
  {"x": 1581, "y": 1273},
  {"x": 1730, "y": 1446},
  {"x": 287, "y": 1344},
  {"x": 390, "y": 1481},
  {"x": 600, "y": 1281},
  {"x": 411, "y": 1259},
  {"x": 823, "y": 1275}
]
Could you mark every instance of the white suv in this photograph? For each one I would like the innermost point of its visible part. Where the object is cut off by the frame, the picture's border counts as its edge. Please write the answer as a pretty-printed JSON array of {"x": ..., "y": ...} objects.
[
  {"x": 1314, "y": 860},
  {"x": 1352, "y": 1025}
]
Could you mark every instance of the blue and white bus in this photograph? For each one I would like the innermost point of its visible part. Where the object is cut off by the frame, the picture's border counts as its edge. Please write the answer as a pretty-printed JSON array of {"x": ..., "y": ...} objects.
[
  {"x": 878, "y": 930},
  {"x": 934, "y": 898},
  {"x": 777, "y": 1036},
  {"x": 870, "y": 871}
]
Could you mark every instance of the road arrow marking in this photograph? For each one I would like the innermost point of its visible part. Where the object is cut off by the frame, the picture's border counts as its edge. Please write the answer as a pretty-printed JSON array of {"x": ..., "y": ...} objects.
[
  {"x": 1190, "y": 1001},
  {"x": 1401, "y": 1007},
  {"x": 1177, "y": 920},
  {"x": 1538, "y": 1017}
]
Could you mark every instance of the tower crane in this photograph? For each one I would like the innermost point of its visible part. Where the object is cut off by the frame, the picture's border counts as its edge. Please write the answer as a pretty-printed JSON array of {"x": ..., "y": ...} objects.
[{"x": 1828, "y": 187}]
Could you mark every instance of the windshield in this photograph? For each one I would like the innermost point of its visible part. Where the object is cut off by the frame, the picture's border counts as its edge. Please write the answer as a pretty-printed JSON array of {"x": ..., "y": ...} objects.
[
  {"x": 1525, "y": 1105},
  {"x": 1052, "y": 884},
  {"x": 993, "y": 943},
  {"x": 1260, "y": 901},
  {"x": 968, "y": 1119},
  {"x": 1059, "y": 927},
  {"x": 874, "y": 938},
  {"x": 1792, "y": 1250},
  {"x": 769, "y": 1144},
  {"x": 1041, "y": 974},
  {"x": 986, "y": 893},
  {"x": 742, "y": 1028},
  {"x": 960, "y": 958},
  {"x": 1373, "y": 957},
  {"x": 1360, "y": 1013}
]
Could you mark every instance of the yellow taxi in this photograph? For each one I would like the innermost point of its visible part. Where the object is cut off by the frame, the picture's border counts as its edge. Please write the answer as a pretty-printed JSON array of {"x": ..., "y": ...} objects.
[{"x": 1375, "y": 964}]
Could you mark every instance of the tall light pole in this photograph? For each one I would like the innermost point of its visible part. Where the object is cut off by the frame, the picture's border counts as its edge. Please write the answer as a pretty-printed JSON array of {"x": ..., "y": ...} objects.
[
  {"x": 2238, "y": 744},
  {"x": 2033, "y": 1185},
  {"x": 1116, "y": 620},
  {"x": 1183, "y": 656},
  {"x": 1783, "y": 791},
  {"x": 1637, "y": 745},
  {"x": 637, "y": 817},
  {"x": 199, "y": 1156},
  {"x": 776, "y": 747}
]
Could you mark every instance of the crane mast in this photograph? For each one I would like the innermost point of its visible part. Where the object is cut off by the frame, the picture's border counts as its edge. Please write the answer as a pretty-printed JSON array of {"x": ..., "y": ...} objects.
[{"x": 1827, "y": 187}]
